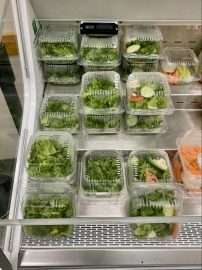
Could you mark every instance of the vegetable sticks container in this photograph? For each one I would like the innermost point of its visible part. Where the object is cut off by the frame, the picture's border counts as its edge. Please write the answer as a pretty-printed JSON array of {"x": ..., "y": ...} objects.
[
  {"x": 99, "y": 51},
  {"x": 102, "y": 123},
  {"x": 103, "y": 175},
  {"x": 148, "y": 93},
  {"x": 142, "y": 42},
  {"x": 60, "y": 112},
  {"x": 151, "y": 166},
  {"x": 130, "y": 65},
  {"x": 58, "y": 42},
  {"x": 51, "y": 156},
  {"x": 155, "y": 200},
  {"x": 47, "y": 206},
  {"x": 145, "y": 124},
  {"x": 179, "y": 65},
  {"x": 190, "y": 153},
  {"x": 101, "y": 92},
  {"x": 62, "y": 74}
]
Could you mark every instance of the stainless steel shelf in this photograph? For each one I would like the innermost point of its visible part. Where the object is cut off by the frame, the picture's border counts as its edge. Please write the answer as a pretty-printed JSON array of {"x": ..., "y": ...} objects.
[{"x": 169, "y": 13}]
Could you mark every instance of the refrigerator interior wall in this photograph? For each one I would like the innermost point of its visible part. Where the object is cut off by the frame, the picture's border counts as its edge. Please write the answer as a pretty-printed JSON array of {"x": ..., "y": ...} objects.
[{"x": 38, "y": 253}]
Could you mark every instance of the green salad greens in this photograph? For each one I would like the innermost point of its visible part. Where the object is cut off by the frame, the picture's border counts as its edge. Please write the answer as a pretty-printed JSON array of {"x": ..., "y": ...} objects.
[
  {"x": 63, "y": 76},
  {"x": 102, "y": 121},
  {"x": 160, "y": 202},
  {"x": 148, "y": 168},
  {"x": 142, "y": 47},
  {"x": 149, "y": 95},
  {"x": 59, "y": 114},
  {"x": 49, "y": 159},
  {"x": 49, "y": 206},
  {"x": 143, "y": 122},
  {"x": 140, "y": 65},
  {"x": 102, "y": 175},
  {"x": 101, "y": 93},
  {"x": 100, "y": 55},
  {"x": 57, "y": 49}
]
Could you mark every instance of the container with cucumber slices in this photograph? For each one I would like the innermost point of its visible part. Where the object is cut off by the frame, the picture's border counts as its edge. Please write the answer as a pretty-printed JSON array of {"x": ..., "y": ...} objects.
[
  {"x": 162, "y": 200},
  {"x": 150, "y": 166},
  {"x": 142, "y": 42},
  {"x": 148, "y": 93},
  {"x": 144, "y": 124}
]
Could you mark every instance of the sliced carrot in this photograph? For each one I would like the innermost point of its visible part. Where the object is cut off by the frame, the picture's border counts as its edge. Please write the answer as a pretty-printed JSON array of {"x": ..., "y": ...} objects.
[{"x": 175, "y": 230}]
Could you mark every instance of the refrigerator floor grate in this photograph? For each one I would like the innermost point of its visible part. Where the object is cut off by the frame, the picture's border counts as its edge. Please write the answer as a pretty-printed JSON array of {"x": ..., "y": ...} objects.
[{"x": 99, "y": 236}]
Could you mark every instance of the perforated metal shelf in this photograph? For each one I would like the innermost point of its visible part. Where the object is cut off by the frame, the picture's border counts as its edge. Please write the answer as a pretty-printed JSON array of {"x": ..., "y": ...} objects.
[{"x": 119, "y": 236}]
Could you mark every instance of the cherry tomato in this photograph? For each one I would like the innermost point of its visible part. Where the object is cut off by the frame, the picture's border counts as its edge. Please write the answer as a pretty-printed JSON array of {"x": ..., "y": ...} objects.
[{"x": 136, "y": 98}]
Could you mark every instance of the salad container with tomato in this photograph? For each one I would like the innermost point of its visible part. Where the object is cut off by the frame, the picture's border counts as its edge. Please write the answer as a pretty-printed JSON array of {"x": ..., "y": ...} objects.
[
  {"x": 149, "y": 166},
  {"x": 148, "y": 93}
]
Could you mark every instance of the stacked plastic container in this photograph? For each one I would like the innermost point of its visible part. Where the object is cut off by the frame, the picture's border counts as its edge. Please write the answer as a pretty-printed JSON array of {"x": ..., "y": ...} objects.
[
  {"x": 200, "y": 67},
  {"x": 141, "y": 49},
  {"x": 190, "y": 153},
  {"x": 99, "y": 53},
  {"x": 102, "y": 182},
  {"x": 147, "y": 101},
  {"x": 101, "y": 102},
  {"x": 179, "y": 65},
  {"x": 152, "y": 201},
  {"x": 58, "y": 49},
  {"x": 60, "y": 112}
]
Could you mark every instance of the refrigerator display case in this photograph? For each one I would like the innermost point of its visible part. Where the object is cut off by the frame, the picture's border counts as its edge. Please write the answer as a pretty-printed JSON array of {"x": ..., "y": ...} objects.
[{"x": 101, "y": 236}]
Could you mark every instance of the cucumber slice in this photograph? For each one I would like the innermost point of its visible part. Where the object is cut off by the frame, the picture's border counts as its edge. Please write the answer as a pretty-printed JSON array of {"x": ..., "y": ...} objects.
[
  {"x": 147, "y": 91},
  {"x": 159, "y": 163},
  {"x": 131, "y": 120},
  {"x": 133, "y": 48}
]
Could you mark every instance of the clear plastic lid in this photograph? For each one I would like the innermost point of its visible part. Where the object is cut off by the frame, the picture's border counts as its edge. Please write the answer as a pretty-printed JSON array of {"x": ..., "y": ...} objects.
[
  {"x": 145, "y": 124},
  {"x": 102, "y": 123},
  {"x": 99, "y": 51},
  {"x": 51, "y": 156},
  {"x": 155, "y": 200},
  {"x": 148, "y": 93},
  {"x": 179, "y": 65},
  {"x": 129, "y": 66},
  {"x": 102, "y": 174},
  {"x": 58, "y": 42},
  {"x": 190, "y": 152},
  {"x": 44, "y": 206},
  {"x": 101, "y": 91},
  {"x": 60, "y": 112},
  {"x": 142, "y": 41},
  {"x": 62, "y": 74},
  {"x": 151, "y": 166}
]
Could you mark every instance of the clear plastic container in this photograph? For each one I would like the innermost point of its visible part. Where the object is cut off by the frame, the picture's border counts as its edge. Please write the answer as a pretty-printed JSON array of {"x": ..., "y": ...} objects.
[
  {"x": 200, "y": 67},
  {"x": 62, "y": 74},
  {"x": 155, "y": 200},
  {"x": 190, "y": 152},
  {"x": 103, "y": 123},
  {"x": 151, "y": 166},
  {"x": 101, "y": 68},
  {"x": 103, "y": 175},
  {"x": 99, "y": 51},
  {"x": 51, "y": 156},
  {"x": 145, "y": 124},
  {"x": 179, "y": 65},
  {"x": 101, "y": 91},
  {"x": 60, "y": 112},
  {"x": 130, "y": 65},
  {"x": 44, "y": 206},
  {"x": 142, "y": 42},
  {"x": 58, "y": 42},
  {"x": 148, "y": 93}
]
